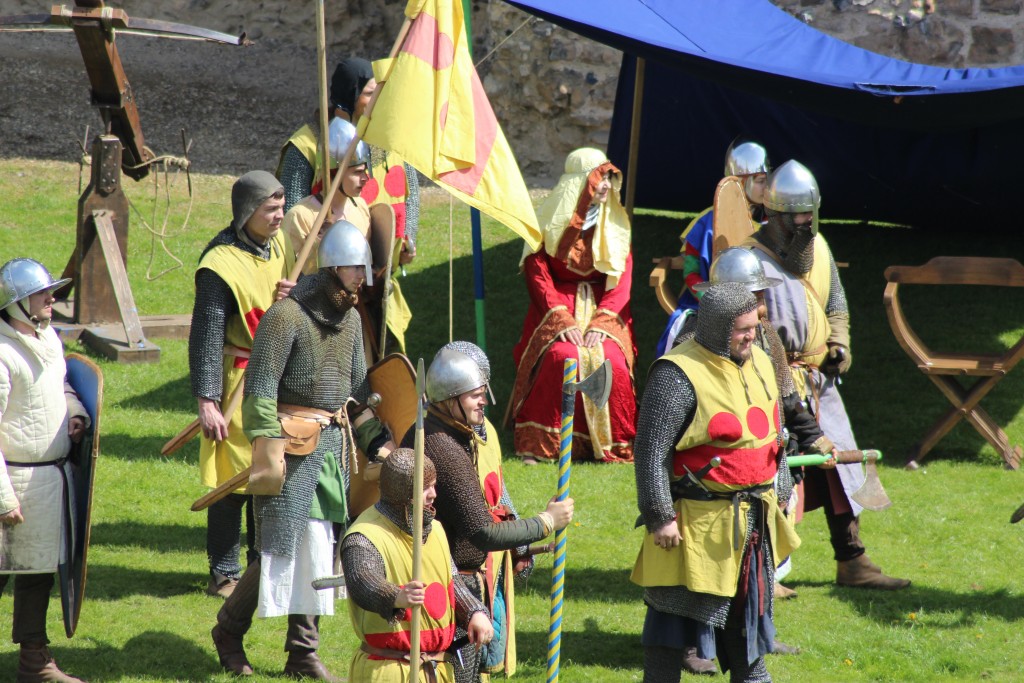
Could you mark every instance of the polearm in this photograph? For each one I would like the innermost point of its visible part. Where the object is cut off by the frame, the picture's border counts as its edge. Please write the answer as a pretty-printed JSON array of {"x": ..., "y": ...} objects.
[
  {"x": 564, "y": 476},
  {"x": 597, "y": 387},
  {"x": 417, "y": 526},
  {"x": 185, "y": 435}
]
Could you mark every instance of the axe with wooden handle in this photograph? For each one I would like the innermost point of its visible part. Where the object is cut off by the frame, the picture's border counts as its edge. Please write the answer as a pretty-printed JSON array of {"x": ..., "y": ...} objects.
[{"x": 871, "y": 495}]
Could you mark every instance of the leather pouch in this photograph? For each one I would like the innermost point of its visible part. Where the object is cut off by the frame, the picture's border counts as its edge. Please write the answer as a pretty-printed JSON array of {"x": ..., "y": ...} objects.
[
  {"x": 267, "y": 476},
  {"x": 300, "y": 436}
]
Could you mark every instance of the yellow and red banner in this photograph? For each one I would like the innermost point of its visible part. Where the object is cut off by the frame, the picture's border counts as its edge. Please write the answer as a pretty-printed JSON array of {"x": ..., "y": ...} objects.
[{"x": 433, "y": 112}]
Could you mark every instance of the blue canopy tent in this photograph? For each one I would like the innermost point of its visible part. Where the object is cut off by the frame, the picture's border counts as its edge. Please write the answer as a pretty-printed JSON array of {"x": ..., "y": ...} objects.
[{"x": 887, "y": 139}]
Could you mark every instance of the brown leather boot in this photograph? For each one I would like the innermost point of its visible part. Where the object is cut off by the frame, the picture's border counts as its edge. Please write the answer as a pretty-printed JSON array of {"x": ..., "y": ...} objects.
[
  {"x": 231, "y": 652},
  {"x": 36, "y": 665},
  {"x": 307, "y": 664},
  {"x": 783, "y": 593},
  {"x": 693, "y": 664},
  {"x": 861, "y": 572}
]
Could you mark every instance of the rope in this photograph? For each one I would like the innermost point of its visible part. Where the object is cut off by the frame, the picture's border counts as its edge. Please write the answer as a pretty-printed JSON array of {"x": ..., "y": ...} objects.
[{"x": 505, "y": 39}]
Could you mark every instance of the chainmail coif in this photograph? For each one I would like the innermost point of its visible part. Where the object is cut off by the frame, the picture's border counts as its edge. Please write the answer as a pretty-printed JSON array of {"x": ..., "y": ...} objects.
[
  {"x": 308, "y": 352},
  {"x": 719, "y": 307},
  {"x": 396, "y": 489},
  {"x": 792, "y": 244}
]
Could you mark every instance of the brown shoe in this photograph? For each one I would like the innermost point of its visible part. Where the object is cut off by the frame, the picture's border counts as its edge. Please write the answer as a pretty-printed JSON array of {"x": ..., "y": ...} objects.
[
  {"x": 783, "y": 593},
  {"x": 692, "y": 664},
  {"x": 307, "y": 664},
  {"x": 861, "y": 572},
  {"x": 220, "y": 586},
  {"x": 230, "y": 652},
  {"x": 36, "y": 665}
]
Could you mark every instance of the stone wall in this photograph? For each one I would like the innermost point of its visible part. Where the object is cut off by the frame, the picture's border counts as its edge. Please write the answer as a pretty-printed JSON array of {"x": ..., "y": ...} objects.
[{"x": 552, "y": 90}]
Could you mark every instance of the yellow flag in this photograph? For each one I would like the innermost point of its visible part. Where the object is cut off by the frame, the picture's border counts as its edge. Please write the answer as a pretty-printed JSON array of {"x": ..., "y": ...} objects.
[{"x": 433, "y": 112}]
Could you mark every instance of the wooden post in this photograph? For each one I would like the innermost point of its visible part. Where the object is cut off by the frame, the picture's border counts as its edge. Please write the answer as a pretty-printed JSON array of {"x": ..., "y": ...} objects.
[{"x": 634, "y": 136}]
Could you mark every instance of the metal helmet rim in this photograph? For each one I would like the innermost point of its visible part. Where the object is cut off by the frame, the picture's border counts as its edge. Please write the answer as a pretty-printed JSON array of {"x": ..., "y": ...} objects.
[
  {"x": 738, "y": 264},
  {"x": 22, "y": 277}
]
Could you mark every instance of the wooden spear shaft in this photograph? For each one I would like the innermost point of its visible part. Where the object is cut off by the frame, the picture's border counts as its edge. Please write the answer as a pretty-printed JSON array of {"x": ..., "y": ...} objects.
[
  {"x": 417, "y": 527},
  {"x": 321, "y": 66}
]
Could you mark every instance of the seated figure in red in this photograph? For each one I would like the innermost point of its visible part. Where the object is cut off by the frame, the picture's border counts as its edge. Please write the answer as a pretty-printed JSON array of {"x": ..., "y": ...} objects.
[{"x": 578, "y": 281}]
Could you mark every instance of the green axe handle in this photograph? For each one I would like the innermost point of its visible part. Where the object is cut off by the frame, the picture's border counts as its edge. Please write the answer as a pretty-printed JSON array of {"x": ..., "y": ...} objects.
[{"x": 813, "y": 460}]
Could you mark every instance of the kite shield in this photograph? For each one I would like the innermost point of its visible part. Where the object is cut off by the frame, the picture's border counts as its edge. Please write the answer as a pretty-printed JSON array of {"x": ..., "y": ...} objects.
[
  {"x": 732, "y": 224},
  {"x": 87, "y": 379},
  {"x": 395, "y": 380}
]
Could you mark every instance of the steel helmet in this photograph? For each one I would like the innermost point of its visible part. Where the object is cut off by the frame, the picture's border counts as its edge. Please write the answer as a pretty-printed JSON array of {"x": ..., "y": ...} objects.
[
  {"x": 792, "y": 189},
  {"x": 738, "y": 264},
  {"x": 339, "y": 134},
  {"x": 451, "y": 374},
  {"x": 746, "y": 158},
  {"x": 344, "y": 245},
  {"x": 478, "y": 356},
  {"x": 23, "y": 277}
]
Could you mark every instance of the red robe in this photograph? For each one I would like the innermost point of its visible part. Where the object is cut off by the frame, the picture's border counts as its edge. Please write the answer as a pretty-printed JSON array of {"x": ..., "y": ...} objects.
[{"x": 535, "y": 409}]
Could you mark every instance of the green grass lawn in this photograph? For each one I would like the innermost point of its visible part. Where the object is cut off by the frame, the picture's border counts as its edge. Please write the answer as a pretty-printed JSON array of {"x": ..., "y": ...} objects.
[{"x": 146, "y": 617}]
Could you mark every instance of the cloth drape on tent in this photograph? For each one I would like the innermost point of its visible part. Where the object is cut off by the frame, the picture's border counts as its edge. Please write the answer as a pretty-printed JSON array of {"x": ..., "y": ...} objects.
[{"x": 887, "y": 139}]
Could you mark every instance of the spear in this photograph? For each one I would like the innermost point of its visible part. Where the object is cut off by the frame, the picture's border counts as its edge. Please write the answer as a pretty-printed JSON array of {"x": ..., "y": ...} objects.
[{"x": 417, "y": 526}]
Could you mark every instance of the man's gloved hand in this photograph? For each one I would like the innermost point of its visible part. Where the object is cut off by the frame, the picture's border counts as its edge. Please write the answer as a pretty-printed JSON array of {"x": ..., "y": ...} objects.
[{"x": 838, "y": 360}]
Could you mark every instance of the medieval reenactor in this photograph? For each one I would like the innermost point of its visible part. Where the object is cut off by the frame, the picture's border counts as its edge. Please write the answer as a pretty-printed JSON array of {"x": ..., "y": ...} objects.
[
  {"x": 457, "y": 391},
  {"x": 376, "y": 556},
  {"x": 809, "y": 312},
  {"x": 241, "y": 273},
  {"x": 40, "y": 418},
  {"x": 307, "y": 363},
  {"x": 708, "y": 452},
  {"x": 748, "y": 161},
  {"x": 579, "y": 283}
]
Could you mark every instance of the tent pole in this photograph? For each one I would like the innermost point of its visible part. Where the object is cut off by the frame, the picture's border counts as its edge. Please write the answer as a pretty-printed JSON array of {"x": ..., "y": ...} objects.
[
  {"x": 634, "y": 136},
  {"x": 479, "y": 292}
]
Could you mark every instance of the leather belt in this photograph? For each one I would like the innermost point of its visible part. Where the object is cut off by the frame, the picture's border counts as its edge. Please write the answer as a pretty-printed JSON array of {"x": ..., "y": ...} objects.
[
  {"x": 56, "y": 463},
  {"x": 313, "y": 414},
  {"x": 429, "y": 658}
]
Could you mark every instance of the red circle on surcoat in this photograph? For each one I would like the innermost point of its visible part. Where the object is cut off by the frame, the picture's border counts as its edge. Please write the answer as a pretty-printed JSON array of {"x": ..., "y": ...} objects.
[
  {"x": 370, "y": 191},
  {"x": 725, "y": 427},
  {"x": 394, "y": 181},
  {"x": 757, "y": 422},
  {"x": 775, "y": 416},
  {"x": 492, "y": 489},
  {"x": 436, "y": 600}
]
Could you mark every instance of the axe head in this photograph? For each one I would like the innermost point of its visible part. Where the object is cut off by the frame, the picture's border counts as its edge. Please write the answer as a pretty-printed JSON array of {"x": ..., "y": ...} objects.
[
  {"x": 871, "y": 495},
  {"x": 597, "y": 386}
]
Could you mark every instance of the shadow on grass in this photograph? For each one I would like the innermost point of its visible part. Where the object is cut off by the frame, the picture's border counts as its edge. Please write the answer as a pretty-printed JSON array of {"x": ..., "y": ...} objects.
[
  {"x": 132, "y": 448},
  {"x": 894, "y": 607},
  {"x": 111, "y": 582},
  {"x": 151, "y": 654},
  {"x": 175, "y": 394},
  {"x": 587, "y": 644},
  {"x": 164, "y": 538},
  {"x": 596, "y": 585}
]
